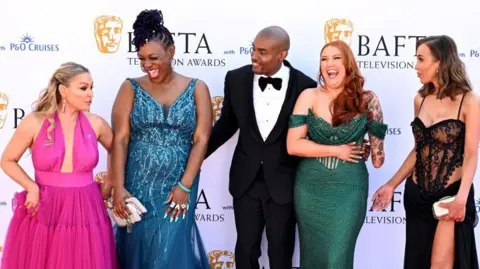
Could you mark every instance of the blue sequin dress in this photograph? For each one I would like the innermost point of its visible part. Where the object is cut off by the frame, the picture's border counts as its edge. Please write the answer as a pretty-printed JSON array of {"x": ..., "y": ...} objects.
[{"x": 160, "y": 143}]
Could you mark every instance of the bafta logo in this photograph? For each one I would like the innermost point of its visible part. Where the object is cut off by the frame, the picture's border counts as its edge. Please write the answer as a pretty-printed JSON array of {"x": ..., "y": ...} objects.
[
  {"x": 3, "y": 108},
  {"x": 108, "y": 33},
  {"x": 338, "y": 29},
  {"x": 217, "y": 103},
  {"x": 221, "y": 259}
]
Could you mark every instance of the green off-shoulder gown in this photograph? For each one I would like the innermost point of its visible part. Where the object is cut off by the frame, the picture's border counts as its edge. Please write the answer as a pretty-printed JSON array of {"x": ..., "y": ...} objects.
[{"x": 330, "y": 195}]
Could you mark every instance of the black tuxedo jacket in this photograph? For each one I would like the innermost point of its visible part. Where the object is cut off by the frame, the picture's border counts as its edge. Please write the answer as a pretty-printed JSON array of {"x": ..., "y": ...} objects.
[{"x": 252, "y": 151}]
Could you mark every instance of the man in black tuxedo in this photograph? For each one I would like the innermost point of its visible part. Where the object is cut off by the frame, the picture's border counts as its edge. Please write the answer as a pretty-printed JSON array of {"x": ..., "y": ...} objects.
[{"x": 258, "y": 100}]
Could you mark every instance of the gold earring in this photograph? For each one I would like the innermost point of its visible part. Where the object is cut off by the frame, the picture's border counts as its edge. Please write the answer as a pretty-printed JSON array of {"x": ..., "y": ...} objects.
[{"x": 63, "y": 107}]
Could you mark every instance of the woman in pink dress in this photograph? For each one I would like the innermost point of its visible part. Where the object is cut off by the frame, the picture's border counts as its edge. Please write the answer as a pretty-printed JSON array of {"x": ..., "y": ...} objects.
[{"x": 60, "y": 220}]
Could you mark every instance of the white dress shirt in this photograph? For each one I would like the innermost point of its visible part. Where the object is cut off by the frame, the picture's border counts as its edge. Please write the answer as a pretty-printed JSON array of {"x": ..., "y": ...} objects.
[{"x": 267, "y": 104}]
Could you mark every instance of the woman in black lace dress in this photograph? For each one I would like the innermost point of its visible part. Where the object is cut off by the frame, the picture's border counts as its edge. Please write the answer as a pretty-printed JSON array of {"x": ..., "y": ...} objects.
[{"x": 443, "y": 163}]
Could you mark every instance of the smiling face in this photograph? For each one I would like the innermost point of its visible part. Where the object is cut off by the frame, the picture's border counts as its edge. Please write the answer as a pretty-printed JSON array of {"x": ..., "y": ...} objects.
[
  {"x": 427, "y": 65},
  {"x": 267, "y": 55},
  {"x": 332, "y": 67},
  {"x": 156, "y": 60}
]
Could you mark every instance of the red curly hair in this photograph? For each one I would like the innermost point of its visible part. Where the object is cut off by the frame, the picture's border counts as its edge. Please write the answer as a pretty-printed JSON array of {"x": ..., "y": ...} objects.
[{"x": 350, "y": 102}]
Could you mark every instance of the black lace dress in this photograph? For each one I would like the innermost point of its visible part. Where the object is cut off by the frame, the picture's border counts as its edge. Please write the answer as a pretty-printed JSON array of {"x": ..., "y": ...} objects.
[{"x": 439, "y": 152}]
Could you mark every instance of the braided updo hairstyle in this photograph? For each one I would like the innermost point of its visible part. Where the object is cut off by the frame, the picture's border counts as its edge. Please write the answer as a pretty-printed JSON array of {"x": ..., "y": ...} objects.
[{"x": 149, "y": 27}]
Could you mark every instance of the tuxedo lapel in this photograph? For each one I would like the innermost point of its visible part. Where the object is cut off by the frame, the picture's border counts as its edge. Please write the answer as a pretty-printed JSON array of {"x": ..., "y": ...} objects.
[
  {"x": 251, "y": 108},
  {"x": 287, "y": 107}
]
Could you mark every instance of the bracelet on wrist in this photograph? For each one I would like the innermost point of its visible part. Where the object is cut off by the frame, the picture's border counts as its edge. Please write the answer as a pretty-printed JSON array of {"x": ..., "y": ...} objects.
[{"x": 183, "y": 187}]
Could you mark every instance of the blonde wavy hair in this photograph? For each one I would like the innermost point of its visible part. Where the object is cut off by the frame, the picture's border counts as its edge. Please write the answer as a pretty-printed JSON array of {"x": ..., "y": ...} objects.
[{"x": 50, "y": 98}]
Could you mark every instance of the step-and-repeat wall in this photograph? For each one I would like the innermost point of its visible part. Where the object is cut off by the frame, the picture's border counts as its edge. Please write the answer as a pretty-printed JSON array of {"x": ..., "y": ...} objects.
[{"x": 213, "y": 37}]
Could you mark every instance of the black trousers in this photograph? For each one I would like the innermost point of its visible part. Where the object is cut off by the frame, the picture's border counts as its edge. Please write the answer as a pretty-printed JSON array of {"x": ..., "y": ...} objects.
[{"x": 254, "y": 211}]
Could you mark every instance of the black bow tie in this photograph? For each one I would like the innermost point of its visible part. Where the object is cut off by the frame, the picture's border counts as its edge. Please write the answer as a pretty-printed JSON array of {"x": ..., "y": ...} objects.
[{"x": 276, "y": 82}]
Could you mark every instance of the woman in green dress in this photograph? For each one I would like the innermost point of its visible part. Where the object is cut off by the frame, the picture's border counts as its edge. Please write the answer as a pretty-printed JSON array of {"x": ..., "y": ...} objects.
[{"x": 327, "y": 130}]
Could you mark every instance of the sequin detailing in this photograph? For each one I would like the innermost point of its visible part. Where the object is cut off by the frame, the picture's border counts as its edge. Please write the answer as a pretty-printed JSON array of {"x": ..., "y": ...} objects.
[
  {"x": 322, "y": 132},
  {"x": 330, "y": 195},
  {"x": 160, "y": 143}
]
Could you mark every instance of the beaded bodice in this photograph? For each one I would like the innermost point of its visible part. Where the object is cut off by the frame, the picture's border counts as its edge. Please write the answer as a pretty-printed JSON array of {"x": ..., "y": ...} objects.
[
  {"x": 160, "y": 144},
  {"x": 439, "y": 151},
  {"x": 322, "y": 132}
]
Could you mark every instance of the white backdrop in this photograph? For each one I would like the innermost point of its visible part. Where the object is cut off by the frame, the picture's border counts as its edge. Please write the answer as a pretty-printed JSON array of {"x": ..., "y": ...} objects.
[{"x": 212, "y": 38}]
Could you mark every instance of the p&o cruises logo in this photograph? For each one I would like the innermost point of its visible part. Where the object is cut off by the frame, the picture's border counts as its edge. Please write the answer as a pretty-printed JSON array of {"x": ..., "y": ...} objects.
[{"x": 28, "y": 43}]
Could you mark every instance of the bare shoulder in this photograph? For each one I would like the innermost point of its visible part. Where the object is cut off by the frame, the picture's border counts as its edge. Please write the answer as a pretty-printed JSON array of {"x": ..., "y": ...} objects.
[
  {"x": 32, "y": 123},
  {"x": 471, "y": 99},
  {"x": 35, "y": 117},
  {"x": 33, "y": 120},
  {"x": 201, "y": 92},
  {"x": 142, "y": 79},
  {"x": 418, "y": 99},
  {"x": 308, "y": 94},
  {"x": 126, "y": 85},
  {"x": 124, "y": 98},
  {"x": 201, "y": 85},
  {"x": 94, "y": 118},
  {"x": 305, "y": 101},
  {"x": 417, "y": 102},
  {"x": 97, "y": 122}
]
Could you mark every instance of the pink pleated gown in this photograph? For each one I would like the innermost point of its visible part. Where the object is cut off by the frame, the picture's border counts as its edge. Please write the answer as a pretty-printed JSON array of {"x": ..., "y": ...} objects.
[{"x": 71, "y": 229}]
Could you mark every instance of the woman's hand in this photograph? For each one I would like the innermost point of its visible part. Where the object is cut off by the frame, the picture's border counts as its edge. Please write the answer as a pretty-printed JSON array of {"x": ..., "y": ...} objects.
[
  {"x": 119, "y": 205},
  {"x": 382, "y": 197},
  {"x": 177, "y": 203},
  {"x": 349, "y": 152},
  {"x": 456, "y": 210},
  {"x": 33, "y": 196}
]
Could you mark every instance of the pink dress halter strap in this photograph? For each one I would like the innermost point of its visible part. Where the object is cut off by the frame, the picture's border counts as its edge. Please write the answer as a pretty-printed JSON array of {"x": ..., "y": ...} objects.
[{"x": 48, "y": 158}]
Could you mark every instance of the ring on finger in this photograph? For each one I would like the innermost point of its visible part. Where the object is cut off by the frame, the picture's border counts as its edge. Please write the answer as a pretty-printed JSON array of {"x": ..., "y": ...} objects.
[
  {"x": 177, "y": 207},
  {"x": 184, "y": 206},
  {"x": 172, "y": 204}
]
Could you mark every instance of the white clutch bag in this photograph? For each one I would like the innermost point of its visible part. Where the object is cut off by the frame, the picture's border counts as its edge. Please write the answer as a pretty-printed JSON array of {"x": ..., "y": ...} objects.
[
  {"x": 135, "y": 207},
  {"x": 440, "y": 211}
]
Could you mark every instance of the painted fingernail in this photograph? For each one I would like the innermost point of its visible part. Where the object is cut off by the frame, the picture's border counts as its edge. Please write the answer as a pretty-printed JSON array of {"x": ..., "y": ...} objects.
[
  {"x": 183, "y": 216},
  {"x": 171, "y": 219},
  {"x": 176, "y": 219},
  {"x": 166, "y": 214}
]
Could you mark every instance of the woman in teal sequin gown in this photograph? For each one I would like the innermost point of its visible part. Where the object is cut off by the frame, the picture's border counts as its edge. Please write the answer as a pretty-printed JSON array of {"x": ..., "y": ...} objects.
[
  {"x": 161, "y": 123},
  {"x": 331, "y": 185}
]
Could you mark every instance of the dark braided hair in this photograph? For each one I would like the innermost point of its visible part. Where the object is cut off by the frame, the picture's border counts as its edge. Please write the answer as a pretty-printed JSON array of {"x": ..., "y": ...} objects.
[{"x": 149, "y": 26}]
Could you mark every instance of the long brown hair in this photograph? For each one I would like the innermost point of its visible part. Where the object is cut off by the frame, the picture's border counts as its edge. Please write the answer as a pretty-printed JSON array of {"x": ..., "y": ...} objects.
[
  {"x": 452, "y": 78},
  {"x": 350, "y": 101}
]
